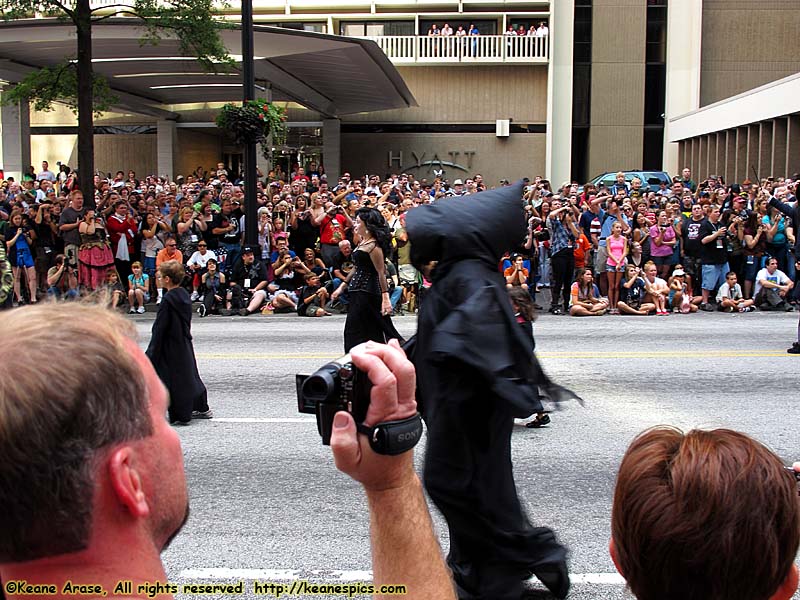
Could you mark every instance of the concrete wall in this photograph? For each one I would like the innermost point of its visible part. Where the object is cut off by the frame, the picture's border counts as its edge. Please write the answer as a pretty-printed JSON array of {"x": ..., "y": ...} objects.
[
  {"x": 196, "y": 148},
  {"x": 111, "y": 152},
  {"x": 747, "y": 44},
  {"x": 520, "y": 155},
  {"x": 619, "y": 30},
  {"x": 475, "y": 94}
]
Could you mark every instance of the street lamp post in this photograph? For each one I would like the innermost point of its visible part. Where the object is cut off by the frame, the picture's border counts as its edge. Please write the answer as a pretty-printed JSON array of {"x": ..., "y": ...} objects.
[{"x": 249, "y": 93}]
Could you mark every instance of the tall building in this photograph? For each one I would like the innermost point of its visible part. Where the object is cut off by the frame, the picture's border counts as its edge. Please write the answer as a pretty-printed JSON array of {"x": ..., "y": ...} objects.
[{"x": 567, "y": 89}]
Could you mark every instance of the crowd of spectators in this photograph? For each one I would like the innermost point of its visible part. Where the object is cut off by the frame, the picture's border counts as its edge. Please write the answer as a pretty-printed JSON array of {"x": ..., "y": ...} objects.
[
  {"x": 631, "y": 248},
  {"x": 65, "y": 243},
  {"x": 640, "y": 249}
]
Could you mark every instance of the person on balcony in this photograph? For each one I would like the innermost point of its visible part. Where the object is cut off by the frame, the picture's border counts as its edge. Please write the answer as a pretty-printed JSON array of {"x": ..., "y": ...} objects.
[{"x": 474, "y": 32}]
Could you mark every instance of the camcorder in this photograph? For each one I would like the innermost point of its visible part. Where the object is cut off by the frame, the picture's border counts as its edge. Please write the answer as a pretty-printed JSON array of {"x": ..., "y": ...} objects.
[
  {"x": 340, "y": 386},
  {"x": 336, "y": 386}
]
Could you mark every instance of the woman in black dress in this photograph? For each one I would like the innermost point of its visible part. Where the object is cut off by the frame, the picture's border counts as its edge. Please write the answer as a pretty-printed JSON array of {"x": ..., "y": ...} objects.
[
  {"x": 171, "y": 350},
  {"x": 368, "y": 292}
]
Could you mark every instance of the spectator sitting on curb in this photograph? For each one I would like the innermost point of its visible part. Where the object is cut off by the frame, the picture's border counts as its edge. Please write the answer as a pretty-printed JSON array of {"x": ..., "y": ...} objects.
[
  {"x": 632, "y": 293},
  {"x": 772, "y": 288},
  {"x": 585, "y": 298},
  {"x": 730, "y": 298}
]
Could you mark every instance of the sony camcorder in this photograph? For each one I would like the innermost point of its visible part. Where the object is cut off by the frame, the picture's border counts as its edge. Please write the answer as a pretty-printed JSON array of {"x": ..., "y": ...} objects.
[
  {"x": 341, "y": 386},
  {"x": 336, "y": 386}
]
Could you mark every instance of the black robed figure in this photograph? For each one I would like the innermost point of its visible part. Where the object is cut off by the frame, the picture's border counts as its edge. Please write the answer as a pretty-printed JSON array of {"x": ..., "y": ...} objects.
[
  {"x": 172, "y": 353},
  {"x": 475, "y": 374}
]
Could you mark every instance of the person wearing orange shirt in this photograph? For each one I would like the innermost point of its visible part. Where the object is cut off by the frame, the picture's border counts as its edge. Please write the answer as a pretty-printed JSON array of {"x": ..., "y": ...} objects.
[
  {"x": 580, "y": 252},
  {"x": 517, "y": 274},
  {"x": 168, "y": 252}
]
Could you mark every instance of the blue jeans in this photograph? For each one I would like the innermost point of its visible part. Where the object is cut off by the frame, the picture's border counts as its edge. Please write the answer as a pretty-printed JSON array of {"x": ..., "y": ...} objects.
[
  {"x": 396, "y": 294},
  {"x": 714, "y": 276},
  {"x": 54, "y": 292},
  {"x": 233, "y": 251}
]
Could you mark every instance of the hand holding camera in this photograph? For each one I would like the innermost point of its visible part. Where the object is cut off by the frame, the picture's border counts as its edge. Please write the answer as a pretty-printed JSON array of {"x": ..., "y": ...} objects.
[
  {"x": 371, "y": 390},
  {"x": 392, "y": 399}
]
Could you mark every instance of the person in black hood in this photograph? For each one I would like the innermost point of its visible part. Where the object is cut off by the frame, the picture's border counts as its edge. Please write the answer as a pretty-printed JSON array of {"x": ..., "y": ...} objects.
[
  {"x": 172, "y": 353},
  {"x": 475, "y": 374}
]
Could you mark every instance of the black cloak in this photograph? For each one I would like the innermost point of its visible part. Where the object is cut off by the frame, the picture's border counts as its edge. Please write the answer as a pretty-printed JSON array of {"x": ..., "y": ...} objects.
[
  {"x": 172, "y": 354},
  {"x": 475, "y": 374}
]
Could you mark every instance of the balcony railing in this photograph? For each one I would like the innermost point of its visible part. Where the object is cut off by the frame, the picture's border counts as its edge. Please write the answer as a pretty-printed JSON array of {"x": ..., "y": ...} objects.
[{"x": 416, "y": 49}]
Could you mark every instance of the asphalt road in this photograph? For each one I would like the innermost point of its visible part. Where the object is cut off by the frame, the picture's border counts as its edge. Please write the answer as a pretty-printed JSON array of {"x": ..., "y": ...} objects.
[{"x": 268, "y": 504}]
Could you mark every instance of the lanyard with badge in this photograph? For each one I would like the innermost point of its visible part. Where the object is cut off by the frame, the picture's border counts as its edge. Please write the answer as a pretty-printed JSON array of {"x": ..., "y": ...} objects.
[{"x": 719, "y": 238}]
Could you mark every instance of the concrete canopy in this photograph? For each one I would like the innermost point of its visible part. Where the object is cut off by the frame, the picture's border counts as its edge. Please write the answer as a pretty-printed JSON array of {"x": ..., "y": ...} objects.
[{"x": 332, "y": 75}]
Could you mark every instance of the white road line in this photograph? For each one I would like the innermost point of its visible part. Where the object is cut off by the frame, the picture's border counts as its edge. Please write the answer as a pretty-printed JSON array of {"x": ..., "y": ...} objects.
[
  {"x": 264, "y": 420},
  {"x": 334, "y": 576}
]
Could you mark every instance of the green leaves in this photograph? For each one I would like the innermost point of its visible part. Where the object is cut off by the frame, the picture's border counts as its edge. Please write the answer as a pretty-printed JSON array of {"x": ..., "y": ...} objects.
[
  {"x": 253, "y": 121},
  {"x": 58, "y": 84}
]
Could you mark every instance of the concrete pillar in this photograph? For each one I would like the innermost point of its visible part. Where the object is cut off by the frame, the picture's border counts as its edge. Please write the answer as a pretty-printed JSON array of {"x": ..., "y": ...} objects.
[
  {"x": 742, "y": 137},
  {"x": 753, "y": 134},
  {"x": 332, "y": 149},
  {"x": 730, "y": 156},
  {"x": 558, "y": 144},
  {"x": 15, "y": 133},
  {"x": 779, "y": 131},
  {"x": 166, "y": 142},
  {"x": 684, "y": 35},
  {"x": 765, "y": 150},
  {"x": 793, "y": 145}
]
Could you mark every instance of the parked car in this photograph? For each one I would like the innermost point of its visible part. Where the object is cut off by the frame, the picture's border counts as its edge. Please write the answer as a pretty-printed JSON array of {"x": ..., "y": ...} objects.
[{"x": 650, "y": 179}]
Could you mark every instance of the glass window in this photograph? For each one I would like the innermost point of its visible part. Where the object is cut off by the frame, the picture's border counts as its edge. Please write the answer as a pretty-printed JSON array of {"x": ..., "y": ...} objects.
[{"x": 376, "y": 28}]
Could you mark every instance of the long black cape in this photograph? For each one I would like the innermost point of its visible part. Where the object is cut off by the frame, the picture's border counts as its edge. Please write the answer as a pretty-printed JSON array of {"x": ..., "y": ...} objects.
[
  {"x": 475, "y": 373},
  {"x": 172, "y": 354}
]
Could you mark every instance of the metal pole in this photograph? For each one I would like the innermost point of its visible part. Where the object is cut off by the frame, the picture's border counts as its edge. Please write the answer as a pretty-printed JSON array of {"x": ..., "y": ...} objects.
[{"x": 249, "y": 93}]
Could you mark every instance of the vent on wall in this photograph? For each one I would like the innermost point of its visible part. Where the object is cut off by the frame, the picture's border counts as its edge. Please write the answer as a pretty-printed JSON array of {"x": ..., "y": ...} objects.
[{"x": 503, "y": 127}]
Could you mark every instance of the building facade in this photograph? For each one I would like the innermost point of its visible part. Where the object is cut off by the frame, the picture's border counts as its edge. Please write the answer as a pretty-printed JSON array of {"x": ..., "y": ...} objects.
[{"x": 580, "y": 88}]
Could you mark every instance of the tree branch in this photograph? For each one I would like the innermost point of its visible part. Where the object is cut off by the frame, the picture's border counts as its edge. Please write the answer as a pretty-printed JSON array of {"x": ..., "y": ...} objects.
[
  {"x": 69, "y": 12},
  {"x": 116, "y": 14},
  {"x": 107, "y": 6}
]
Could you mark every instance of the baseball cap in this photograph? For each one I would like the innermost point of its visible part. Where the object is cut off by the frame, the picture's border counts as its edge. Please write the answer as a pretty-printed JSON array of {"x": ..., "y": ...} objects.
[
  {"x": 247, "y": 249},
  {"x": 458, "y": 182},
  {"x": 678, "y": 273}
]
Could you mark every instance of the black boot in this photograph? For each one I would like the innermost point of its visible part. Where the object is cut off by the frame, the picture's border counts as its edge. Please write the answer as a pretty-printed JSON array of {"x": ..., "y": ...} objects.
[{"x": 555, "y": 578}]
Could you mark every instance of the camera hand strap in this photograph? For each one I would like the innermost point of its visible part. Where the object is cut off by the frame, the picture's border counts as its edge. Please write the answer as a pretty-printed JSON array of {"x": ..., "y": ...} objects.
[{"x": 394, "y": 437}]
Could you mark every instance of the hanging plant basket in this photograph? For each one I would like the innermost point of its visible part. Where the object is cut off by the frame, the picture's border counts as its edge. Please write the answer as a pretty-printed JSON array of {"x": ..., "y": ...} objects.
[{"x": 252, "y": 122}]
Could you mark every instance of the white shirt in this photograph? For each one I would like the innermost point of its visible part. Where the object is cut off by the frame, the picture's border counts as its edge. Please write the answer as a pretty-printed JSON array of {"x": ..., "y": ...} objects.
[
  {"x": 778, "y": 277},
  {"x": 725, "y": 292},
  {"x": 200, "y": 259}
]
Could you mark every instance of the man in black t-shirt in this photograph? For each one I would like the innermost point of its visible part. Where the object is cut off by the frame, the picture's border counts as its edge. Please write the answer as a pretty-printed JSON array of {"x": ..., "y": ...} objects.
[
  {"x": 226, "y": 234},
  {"x": 248, "y": 284},
  {"x": 692, "y": 246},
  {"x": 713, "y": 254}
]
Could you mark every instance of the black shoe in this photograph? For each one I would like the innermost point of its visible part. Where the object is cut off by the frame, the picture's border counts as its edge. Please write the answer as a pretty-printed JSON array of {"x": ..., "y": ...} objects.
[
  {"x": 538, "y": 421},
  {"x": 555, "y": 578},
  {"x": 789, "y": 308},
  {"x": 243, "y": 312},
  {"x": 201, "y": 310},
  {"x": 206, "y": 414},
  {"x": 795, "y": 349},
  {"x": 707, "y": 307},
  {"x": 180, "y": 423}
]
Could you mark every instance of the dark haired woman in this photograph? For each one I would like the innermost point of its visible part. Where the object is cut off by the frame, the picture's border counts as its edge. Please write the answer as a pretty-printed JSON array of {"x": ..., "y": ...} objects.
[{"x": 369, "y": 303}]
